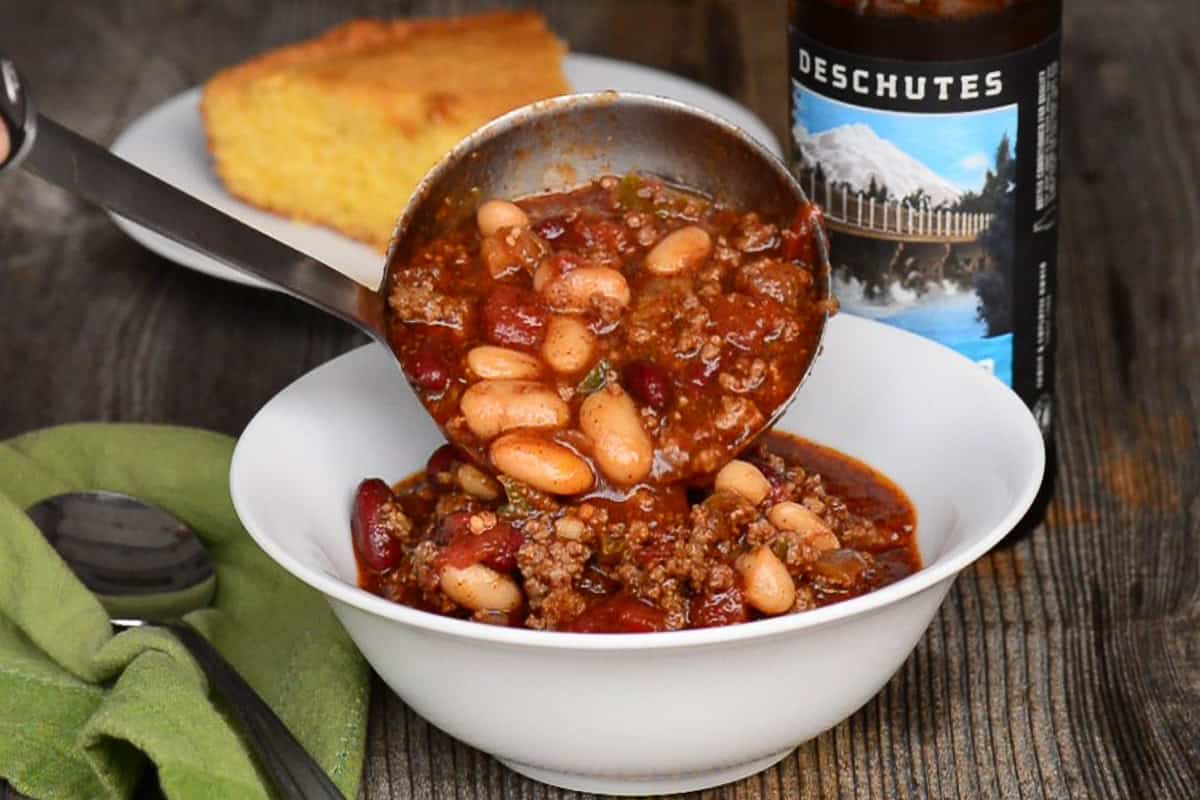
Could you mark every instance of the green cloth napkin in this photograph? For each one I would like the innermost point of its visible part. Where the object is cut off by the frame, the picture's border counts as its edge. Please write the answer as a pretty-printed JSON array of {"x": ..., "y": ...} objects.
[{"x": 81, "y": 709}]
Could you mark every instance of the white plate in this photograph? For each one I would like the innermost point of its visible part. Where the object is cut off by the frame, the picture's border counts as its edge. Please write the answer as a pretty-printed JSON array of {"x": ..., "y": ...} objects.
[{"x": 168, "y": 141}]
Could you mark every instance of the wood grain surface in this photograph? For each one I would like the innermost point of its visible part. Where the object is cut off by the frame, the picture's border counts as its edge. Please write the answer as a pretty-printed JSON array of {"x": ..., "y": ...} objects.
[{"x": 1066, "y": 666}]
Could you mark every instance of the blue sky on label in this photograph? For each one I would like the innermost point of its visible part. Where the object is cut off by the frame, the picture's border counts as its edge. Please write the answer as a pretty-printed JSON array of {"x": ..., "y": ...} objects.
[{"x": 958, "y": 147}]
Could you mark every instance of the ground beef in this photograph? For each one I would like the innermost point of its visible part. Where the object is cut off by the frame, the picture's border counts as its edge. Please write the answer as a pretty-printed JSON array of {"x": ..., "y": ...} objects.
[
  {"x": 737, "y": 413},
  {"x": 754, "y": 236},
  {"x": 420, "y": 303},
  {"x": 550, "y": 566},
  {"x": 777, "y": 280},
  {"x": 745, "y": 376}
]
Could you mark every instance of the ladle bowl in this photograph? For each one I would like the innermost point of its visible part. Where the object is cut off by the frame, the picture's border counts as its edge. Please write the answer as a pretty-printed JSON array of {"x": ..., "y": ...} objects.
[
  {"x": 558, "y": 144},
  {"x": 548, "y": 146}
]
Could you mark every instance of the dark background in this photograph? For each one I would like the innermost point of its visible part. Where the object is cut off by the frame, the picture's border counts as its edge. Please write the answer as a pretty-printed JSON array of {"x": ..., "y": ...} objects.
[{"x": 1067, "y": 666}]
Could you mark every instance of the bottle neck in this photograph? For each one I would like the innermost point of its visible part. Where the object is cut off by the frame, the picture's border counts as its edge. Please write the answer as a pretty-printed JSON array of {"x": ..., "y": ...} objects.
[{"x": 928, "y": 30}]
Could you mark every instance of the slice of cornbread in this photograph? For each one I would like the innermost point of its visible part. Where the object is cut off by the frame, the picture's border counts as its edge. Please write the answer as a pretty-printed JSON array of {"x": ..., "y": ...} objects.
[{"x": 338, "y": 130}]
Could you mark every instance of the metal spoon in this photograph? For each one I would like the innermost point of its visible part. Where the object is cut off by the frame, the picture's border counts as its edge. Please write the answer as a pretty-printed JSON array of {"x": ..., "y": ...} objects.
[
  {"x": 550, "y": 145},
  {"x": 146, "y": 567}
]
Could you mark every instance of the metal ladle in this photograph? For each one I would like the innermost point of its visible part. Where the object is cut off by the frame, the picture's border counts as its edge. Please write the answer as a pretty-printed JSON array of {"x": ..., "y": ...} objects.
[
  {"x": 550, "y": 145},
  {"x": 147, "y": 567}
]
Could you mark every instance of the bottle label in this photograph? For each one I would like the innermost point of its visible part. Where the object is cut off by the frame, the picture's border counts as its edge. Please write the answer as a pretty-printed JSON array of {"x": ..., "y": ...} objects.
[{"x": 939, "y": 186}]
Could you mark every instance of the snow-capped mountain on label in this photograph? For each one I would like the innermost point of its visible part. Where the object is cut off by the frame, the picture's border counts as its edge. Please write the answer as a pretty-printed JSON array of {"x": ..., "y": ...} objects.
[{"x": 854, "y": 154}]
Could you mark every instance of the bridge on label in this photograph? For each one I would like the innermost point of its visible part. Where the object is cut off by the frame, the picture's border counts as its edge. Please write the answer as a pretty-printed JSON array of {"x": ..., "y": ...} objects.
[{"x": 852, "y": 212}]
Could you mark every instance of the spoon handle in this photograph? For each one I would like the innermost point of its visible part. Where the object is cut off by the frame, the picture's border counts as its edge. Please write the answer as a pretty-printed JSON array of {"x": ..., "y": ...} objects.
[
  {"x": 86, "y": 169},
  {"x": 285, "y": 760}
]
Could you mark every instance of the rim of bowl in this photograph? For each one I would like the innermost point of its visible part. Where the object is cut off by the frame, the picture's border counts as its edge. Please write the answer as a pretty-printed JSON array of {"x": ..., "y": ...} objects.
[{"x": 941, "y": 569}]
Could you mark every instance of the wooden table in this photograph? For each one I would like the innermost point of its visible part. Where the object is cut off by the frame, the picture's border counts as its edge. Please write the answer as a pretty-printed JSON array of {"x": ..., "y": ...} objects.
[{"x": 1066, "y": 666}]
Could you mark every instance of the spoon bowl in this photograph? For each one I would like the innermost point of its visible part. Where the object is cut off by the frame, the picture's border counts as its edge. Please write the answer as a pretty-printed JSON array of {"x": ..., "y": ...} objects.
[
  {"x": 140, "y": 562},
  {"x": 147, "y": 567}
]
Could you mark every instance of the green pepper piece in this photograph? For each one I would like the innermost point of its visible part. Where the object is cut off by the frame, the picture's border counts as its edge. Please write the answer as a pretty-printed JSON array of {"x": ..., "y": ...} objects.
[
  {"x": 514, "y": 492},
  {"x": 627, "y": 194},
  {"x": 596, "y": 379},
  {"x": 780, "y": 548},
  {"x": 611, "y": 547}
]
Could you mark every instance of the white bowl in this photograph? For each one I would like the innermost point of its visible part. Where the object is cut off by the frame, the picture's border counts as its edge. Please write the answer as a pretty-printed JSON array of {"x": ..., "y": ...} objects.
[{"x": 664, "y": 712}]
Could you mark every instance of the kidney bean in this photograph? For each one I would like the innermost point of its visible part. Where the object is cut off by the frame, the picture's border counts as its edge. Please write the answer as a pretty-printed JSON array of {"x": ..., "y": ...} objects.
[
  {"x": 649, "y": 384},
  {"x": 496, "y": 547},
  {"x": 501, "y": 554},
  {"x": 718, "y": 609},
  {"x": 376, "y": 548},
  {"x": 443, "y": 460},
  {"x": 621, "y": 613},
  {"x": 428, "y": 368},
  {"x": 452, "y": 526},
  {"x": 514, "y": 317}
]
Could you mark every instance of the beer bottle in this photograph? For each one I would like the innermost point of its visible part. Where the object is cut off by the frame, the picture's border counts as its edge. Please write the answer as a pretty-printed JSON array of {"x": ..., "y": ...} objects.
[{"x": 928, "y": 131}]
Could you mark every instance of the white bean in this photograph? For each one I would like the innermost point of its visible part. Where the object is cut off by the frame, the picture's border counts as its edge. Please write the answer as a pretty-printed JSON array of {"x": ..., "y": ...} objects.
[
  {"x": 545, "y": 273},
  {"x": 767, "y": 584},
  {"x": 477, "y": 483},
  {"x": 791, "y": 516},
  {"x": 492, "y": 407},
  {"x": 489, "y": 361},
  {"x": 573, "y": 291},
  {"x": 621, "y": 447},
  {"x": 569, "y": 528},
  {"x": 480, "y": 588},
  {"x": 496, "y": 215},
  {"x": 679, "y": 251},
  {"x": 498, "y": 257},
  {"x": 569, "y": 345},
  {"x": 544, "y": 465},
  {"x": 745, "y": 479}
]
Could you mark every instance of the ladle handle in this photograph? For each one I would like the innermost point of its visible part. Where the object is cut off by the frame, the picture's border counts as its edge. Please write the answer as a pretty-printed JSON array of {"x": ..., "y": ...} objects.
[
  {"x": 284, "y": 759},
  {"x": 18, "y": 119},
  {"x": 84, "y": 168}
]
